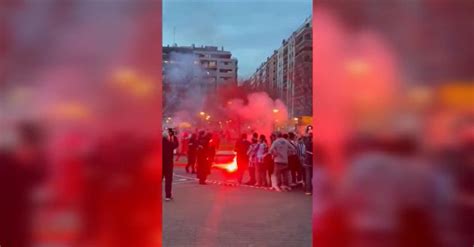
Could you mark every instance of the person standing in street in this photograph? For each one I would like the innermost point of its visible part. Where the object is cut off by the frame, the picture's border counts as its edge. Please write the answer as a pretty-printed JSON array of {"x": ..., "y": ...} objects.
[
  {"x": 252, "y": 154},
  {"x": 170, "y": 143},
  {"x": 183, "y": 146},
  {"x": 203, "y": 165},
  {"x": 262, "y": 152},
  {"x": 280, "y": 150},
  {"x": 301, "y": 149},
  {"x": 294, "y": 162},
  {"x": 241, "y": 148},
  {"x": 192, "y": 147},
  {"x": 308, "y": 163},
  {"x": 270, "y": 163},
  {"x": 213, "y": 145}
]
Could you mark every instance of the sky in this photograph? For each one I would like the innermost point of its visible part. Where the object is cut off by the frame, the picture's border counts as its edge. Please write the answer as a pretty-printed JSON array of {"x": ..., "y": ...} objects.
[{"x": 250, "y": 29}]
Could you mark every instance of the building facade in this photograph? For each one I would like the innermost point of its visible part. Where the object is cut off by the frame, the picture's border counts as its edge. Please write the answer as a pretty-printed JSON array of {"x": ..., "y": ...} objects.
[
  {"x": 192, "y": 70},
  {"x": 211, "y": 65},
  {"x": 302, "y": 86},
  {"x": 287, "y": 73}
]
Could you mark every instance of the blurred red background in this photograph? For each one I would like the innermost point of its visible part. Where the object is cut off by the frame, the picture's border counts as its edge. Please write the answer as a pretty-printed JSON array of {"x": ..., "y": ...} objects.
[
  {"x": 393, "y": 104},
  {"x": 80, "y": 101}
]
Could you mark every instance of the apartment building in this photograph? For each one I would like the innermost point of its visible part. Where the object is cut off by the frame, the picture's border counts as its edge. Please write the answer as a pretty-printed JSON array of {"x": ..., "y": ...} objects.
[
  {"x": 190, "y": 70},
  {"x": 208, "y": 65},
  {"x": 287, "y": 73}
]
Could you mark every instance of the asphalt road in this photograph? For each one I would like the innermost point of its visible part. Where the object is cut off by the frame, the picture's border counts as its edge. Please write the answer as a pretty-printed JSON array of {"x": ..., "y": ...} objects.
[{"x": 222, "y": 215}]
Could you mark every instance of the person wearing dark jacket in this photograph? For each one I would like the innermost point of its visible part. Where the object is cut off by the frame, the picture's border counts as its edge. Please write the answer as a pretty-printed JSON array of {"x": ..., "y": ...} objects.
[
  {"x": 192, "y": 147},
  {"x": 308, "y": 163},
  {"x": 170, "y": 143},
  {"x": 203, "y": 157},
  {"x": 294, "y": 162},
  {"x": 213, "y": 142},
  {"x": 241, "y": 148}
]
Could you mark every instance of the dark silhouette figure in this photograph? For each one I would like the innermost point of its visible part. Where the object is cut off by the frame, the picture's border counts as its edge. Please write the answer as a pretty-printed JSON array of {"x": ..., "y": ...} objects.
[
  {"x": 192, "y": 149},
  {"x": 22, "y": 169},
  {"x": 241, "y": 148},
  {"x": 203, "y": 157},
  {"x": 170, "y": 143}
]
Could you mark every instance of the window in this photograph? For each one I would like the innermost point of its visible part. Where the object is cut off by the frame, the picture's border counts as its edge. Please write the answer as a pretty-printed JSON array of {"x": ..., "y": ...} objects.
[
  {"x": 225, "y": 70},
  {"x": 212, "y": 64},
  {"x": 299, "y": 40},
  {"x": 220, "y": 56}
]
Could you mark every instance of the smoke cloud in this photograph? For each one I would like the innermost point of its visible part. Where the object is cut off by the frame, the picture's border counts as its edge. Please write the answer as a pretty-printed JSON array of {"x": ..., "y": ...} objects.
[
  {"x": 261, "y": 113},
  {"x": 184, "y": 87}
]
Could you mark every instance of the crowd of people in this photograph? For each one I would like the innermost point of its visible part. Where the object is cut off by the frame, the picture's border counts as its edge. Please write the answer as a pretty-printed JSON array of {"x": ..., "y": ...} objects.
[
  {"x": 281, "y": 163},
  {"x": 284, "y": 162},
  {"x": 201, "y": 150}
]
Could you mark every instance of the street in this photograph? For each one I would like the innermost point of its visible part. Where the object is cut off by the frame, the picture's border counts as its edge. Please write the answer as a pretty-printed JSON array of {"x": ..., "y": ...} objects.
[{"x": 224, "y": 214}]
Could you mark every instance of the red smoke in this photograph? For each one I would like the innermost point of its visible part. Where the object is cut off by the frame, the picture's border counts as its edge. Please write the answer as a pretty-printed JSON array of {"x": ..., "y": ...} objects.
[{"x": 261, "y": 113}]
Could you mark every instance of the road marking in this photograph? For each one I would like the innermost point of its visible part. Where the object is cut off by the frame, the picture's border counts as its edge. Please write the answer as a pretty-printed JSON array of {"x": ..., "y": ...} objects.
[
  {"x": 184, "y": 182},
  {"x": 222, "y": 183}
]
